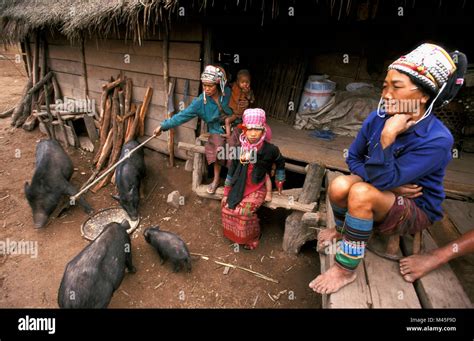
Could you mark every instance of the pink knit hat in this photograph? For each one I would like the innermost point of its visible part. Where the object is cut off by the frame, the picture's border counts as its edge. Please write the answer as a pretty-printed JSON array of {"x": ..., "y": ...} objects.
[{"x": 254, "y": 119}]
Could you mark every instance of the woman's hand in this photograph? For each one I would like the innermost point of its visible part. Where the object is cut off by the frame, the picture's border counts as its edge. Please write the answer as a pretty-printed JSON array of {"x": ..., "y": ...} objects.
[
  {"x": 409, "y": 191},
  {"x": 157, "y": 131},
  {"x": 394, "y": 126},
  {"x": 224, "y": 201}
]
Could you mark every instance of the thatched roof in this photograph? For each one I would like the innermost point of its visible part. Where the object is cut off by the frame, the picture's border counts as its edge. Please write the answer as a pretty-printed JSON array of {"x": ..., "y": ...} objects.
[{"x": 18, "y": 18}]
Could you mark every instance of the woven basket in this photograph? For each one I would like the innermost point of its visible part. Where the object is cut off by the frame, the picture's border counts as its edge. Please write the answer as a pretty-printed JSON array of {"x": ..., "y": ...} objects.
[{"x": 454, "y": 118}]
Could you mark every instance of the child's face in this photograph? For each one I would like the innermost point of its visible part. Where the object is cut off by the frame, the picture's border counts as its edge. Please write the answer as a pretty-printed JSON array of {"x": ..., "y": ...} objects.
[
  {"x": 244, "y": 83},
  {"x": 253, "y": 135}
]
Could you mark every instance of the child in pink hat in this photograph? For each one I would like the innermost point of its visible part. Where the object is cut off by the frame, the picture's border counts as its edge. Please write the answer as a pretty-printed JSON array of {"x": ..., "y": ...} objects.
[{"x": 245, "y": 188}]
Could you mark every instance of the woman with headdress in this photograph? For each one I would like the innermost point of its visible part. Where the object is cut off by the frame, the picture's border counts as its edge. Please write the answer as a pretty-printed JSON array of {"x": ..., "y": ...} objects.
[
  {"x": 210, "y": 106},
  {"x": 245, "y": 189},
  {"x": 397, "y": 161}
]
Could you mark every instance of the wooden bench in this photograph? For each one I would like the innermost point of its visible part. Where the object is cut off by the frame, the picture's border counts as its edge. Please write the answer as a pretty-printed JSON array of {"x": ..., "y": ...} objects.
[
  {"x": 300, "y": 224},
  {"x": 380, "y": 285}
]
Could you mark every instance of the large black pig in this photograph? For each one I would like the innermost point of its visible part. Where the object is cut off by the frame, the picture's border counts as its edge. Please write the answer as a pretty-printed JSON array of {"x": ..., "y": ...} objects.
[
  {"x": 128, "y": 178},
  {"x": 91, "y": 278},
  {"x": 169, "y": 246},
  {"x": 50, "y": 181}
]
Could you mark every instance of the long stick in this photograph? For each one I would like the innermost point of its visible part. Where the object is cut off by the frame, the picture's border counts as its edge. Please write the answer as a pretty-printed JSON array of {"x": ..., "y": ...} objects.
[
  {"x": 248, "y": 270},
  {"x": 111, "y": 168}
]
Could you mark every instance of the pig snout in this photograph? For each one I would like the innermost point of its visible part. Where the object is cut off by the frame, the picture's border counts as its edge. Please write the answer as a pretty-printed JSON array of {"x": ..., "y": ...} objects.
[{"x": 40, "y": 219}]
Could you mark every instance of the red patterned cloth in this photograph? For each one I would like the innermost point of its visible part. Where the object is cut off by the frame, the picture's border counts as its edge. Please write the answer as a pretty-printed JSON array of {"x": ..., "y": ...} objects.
[
  {"x": 404, "y": 217},
  {"x": 241, "y": 225}
]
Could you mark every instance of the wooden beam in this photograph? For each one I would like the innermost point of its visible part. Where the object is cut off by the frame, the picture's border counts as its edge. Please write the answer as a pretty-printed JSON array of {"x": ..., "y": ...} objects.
[
  {"x": 195, "y": 148},
  {"x": 277, "y": 201},
  {"x": 461, "y": 213},
  {"x": 296, "y": 232},
  {"x": 387, "y": 286}
]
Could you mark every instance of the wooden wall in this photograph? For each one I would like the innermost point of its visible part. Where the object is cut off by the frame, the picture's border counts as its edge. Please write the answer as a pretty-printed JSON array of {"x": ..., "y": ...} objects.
[
  {"x": 143, "y": 64},
  {"x": 355, "y": 70}
]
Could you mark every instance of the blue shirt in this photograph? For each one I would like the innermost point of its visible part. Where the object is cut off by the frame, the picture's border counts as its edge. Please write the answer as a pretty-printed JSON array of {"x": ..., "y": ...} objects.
[
  {"x": 418, "y": 156},
  {"x": 209, "y": 112}
]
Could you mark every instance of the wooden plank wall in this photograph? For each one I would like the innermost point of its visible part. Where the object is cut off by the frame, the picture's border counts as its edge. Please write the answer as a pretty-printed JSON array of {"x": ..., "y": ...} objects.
[{"x": 143, "y": 64}]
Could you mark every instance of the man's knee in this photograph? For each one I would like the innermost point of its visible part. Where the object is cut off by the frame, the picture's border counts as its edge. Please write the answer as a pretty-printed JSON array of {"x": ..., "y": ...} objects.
[
  {"x": 339, "y": 188},
  {"x": 361, "y": 194}
]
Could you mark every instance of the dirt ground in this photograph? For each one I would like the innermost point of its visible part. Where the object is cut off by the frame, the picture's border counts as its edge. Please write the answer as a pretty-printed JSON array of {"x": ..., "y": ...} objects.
[{"x": 29, "y": 281}]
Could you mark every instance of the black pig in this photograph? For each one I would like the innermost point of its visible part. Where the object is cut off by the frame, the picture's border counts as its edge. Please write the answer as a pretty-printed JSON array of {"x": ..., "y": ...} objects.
[
  {"x": 91, "y": 278},
  {"x": 128, "y": 177},
  {"x": 50, "y": 181},
  {"x": 169, "y": 246}
]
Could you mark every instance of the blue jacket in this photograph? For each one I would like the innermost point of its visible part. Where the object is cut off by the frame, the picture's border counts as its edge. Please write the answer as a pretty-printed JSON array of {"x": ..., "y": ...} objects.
[
  {"x": 418, "y": 156},
  {"x": 209, "y": 112}
]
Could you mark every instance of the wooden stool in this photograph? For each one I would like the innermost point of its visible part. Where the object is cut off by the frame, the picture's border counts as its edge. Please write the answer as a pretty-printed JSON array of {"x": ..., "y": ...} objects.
[{"x": 388, "y": 246}]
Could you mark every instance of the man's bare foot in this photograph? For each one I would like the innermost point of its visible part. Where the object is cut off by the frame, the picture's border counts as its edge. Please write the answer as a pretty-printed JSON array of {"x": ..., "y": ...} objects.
[
  {"x": 332, "y": 280},
  {"x": 268, "y": 196},
  {"x": 326, "y": 237},
  {"x": 416, "y": 266}
]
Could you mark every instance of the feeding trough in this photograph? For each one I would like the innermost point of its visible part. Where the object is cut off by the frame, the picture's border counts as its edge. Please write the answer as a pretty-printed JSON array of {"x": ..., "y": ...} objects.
[{"x": 94, "y": 225}]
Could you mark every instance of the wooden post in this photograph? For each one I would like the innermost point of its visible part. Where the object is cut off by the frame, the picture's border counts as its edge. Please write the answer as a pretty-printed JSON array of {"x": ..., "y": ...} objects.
[
  {"x": 197, "y": 168},
  {"x": 166, "y": 88},
  {"x": 35, "y": 70},
  {"x": 88, "y": 120},
  {"x": 296, "y": 232},
  {"x": 44, "y": 67},
  {"x": 28, "y": 56},
  {"x": 84, "y": 67}
]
